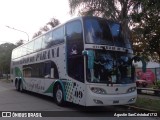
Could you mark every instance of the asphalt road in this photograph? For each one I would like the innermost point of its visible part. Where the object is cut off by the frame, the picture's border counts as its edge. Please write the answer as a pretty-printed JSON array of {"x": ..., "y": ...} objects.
[{"x": 11, "y": 100}]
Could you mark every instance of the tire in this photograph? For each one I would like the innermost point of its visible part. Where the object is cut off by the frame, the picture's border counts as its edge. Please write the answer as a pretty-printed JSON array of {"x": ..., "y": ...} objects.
[
  {"x": 17, "y": 85},
  {"x": 21, "y": 86},
  {"x": 59, "y": 95}
]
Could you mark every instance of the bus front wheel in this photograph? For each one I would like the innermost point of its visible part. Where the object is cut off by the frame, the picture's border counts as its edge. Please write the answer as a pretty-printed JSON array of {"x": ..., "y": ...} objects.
[{"x": 58, "y": 95}]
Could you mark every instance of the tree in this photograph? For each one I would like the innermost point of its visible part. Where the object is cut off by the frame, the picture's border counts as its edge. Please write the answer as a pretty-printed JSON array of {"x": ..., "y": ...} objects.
[
  {"x": 51, "y": 24},
  {"x": 20, "y": 42},
  {"x": 141, "y": 15},
  {"x": 5, "y": 57},
  {"x": 147, "y": 29},
  {"x": 117, "y": 10},
  {"x": 37, "y": 34},
  {"x": 45, "y": 28}
]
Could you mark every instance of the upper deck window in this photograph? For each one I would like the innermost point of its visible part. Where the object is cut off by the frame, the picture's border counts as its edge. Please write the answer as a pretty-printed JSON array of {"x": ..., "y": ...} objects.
[
  {"x": 117, "y": 34},
  {"x": 97, "y": 31},
  {"x": 37, "y": 44},
  {"x": 103, "y": 32}
]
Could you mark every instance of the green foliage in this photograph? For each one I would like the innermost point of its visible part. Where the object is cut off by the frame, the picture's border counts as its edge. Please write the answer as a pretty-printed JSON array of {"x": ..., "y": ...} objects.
[
  {"x": 157, "y": 84},
  {"x": 109, "y": 9},
  {"x": 148, "y": 38},
  {"x": 140, "y": 15},
  {"x": 5, "y": 57},
  {"x": 148, "y": 103}
]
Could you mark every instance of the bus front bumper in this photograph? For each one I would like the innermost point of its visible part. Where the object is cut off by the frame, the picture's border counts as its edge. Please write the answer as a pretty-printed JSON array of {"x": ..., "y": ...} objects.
[{"x": 105, "y": 100}]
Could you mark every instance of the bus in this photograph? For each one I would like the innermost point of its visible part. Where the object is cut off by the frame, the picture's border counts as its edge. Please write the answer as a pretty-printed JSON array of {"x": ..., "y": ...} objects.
[{"x": 85, "y": 61}]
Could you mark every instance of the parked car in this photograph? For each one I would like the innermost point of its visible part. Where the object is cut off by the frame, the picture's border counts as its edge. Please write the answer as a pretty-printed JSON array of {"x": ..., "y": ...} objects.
[{"x": 141, "y": 83}]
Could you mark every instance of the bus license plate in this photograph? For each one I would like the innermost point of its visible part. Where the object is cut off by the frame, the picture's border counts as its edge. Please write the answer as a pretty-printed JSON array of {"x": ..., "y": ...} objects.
[{"x": 116, "y": 101}]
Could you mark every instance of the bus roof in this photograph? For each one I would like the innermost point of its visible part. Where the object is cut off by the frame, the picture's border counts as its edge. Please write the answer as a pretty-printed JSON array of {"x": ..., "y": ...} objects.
[{"x": 73, "y": 19}]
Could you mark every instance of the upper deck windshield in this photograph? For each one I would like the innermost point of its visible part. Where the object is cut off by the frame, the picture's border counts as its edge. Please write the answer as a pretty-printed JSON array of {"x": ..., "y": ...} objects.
[{"x": 103, "y": 32}]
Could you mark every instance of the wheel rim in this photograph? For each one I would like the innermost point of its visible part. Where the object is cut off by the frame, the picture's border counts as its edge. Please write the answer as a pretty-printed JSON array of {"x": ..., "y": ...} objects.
[{"x": 59, "y": 95}]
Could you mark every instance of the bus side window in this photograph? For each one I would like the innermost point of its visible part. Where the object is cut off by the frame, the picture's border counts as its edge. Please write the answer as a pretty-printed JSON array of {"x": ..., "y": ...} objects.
[
  {"x": 58, "y": 36},
  {"x": 37, "y": 44},
  {"x": 47, "y": 38},
  {"x": 29, "y": 47},
  {"x": 27, "y": 71},
  {"x": 23, "y": 50},
  {"x": 74, "y": 38},
  {"x": 50, "y": 70},
  {"x": 74, "y": 42},
  {"x": 47, "y": 72}
]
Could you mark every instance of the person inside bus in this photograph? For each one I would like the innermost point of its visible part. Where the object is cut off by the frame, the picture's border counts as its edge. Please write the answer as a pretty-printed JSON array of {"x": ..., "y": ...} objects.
[
  {"x": 103, "y": 67},
  {"x": 108, "y": 67},
  {"x": 123, "y": 69}
]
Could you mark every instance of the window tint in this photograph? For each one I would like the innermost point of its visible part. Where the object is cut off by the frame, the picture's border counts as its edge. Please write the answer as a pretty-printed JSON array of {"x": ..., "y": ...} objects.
[
  {"x": 57, "y": 37},
  {"x": 37, "y": 44},
  {"x": 74, "y": 30},
  {"x": 41, "y": 70},
  {"x": 75, "y": 60},
  {"x": 47, "y": 38},
  {"x": 23, "y": 50},
  {"x": 50, "y": 70},
  {"x": 74, "y": 38},
  {"x": 27, "y": 72},
  {"x": 117, "y": 34},
  {"x": 30, "y": 47},
  {"x": 98, "y": 32}
]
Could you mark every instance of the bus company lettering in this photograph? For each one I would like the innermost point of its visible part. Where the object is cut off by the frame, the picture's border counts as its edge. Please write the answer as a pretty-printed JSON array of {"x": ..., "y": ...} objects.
[
  {"x": 43, "y": 55},
  {"x": 35, "y": 85}
]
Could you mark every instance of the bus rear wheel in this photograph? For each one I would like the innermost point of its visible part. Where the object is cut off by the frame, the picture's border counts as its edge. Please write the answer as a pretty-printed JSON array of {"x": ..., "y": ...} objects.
[
  {"x": 17, "y": 85},
  {"x": 21, "y": 87},
  {"x": 58, "y": 95}
]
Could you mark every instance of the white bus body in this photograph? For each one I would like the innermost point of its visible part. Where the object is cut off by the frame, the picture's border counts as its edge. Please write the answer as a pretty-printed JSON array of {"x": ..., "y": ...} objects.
[{"x": 66, "y": 63}]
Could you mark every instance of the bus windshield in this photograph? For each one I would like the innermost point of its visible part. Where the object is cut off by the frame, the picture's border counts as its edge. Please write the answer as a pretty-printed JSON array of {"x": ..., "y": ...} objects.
[
  {"x": 110, "y": 67},
  {"x": 103, "y": 32}
]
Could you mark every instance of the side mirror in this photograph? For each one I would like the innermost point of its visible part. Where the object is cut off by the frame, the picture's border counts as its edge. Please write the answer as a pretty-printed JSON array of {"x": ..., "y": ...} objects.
[
  {"x": 137, "y": 59},
  {"x": 84, "y": 52}
]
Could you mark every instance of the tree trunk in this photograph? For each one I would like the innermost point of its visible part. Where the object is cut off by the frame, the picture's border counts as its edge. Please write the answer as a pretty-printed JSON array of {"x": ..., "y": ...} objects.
[
  {"x": 158, "y": 57},
  {"x": 124, "y": 21}
]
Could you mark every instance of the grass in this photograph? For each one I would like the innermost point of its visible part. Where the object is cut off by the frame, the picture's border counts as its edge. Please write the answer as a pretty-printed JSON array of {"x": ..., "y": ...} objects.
[{"x": 148, "y": 103}]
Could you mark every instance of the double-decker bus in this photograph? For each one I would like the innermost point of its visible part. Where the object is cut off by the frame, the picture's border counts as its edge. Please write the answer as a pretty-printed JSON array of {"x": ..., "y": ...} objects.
[{"x": 85, "y": 61}]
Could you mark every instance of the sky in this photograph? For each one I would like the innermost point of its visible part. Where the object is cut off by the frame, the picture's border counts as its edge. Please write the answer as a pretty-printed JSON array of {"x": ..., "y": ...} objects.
[{"x": 29, "y": 16}]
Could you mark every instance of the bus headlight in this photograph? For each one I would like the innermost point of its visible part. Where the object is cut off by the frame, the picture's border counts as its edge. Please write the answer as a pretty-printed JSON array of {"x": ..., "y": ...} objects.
[
  {"x": 98, "y": 90},
  {"x": 132, "y": 89}
]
